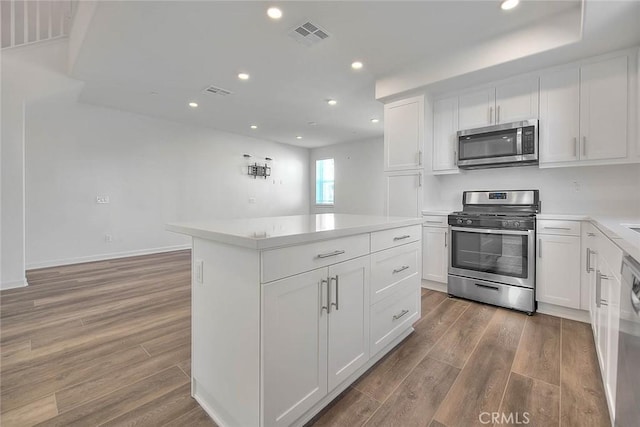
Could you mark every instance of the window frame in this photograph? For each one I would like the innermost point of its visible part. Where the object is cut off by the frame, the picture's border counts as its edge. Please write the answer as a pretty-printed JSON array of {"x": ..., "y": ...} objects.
[{"x": 324, "y": 205}]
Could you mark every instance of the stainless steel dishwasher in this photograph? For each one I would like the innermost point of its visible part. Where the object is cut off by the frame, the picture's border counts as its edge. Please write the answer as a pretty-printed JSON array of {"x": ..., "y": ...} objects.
[{"x": 627, "y": 412}]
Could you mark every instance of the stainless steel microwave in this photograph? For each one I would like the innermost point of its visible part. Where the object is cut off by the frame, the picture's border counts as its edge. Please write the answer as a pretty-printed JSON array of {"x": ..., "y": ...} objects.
[{"x": 509, "y": 144}]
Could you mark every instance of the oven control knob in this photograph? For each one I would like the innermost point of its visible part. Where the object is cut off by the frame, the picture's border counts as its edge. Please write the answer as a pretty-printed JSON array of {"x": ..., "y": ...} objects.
[
  {"x": 505, "y": 223},
  {"x": 516, "y": 224},
  {"x": 459, "y": 221},
  {"x": 469, "y": 222}
]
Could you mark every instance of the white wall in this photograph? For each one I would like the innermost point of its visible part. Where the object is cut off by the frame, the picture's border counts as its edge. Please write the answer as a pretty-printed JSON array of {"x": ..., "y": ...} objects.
[
  {"x": 582, "y": 190},
  {"x": 359, "y": 178},
  {"x": 27, "y": 72},
  {"x": 154, "y": 172}
]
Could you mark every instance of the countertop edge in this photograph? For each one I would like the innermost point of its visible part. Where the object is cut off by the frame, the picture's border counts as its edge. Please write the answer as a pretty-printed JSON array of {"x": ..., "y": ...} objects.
[{"x": 290, "y": 240}]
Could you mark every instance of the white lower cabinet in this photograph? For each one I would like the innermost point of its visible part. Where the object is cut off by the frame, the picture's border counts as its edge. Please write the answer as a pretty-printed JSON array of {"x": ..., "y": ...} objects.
[
  {"x": 403, "y": 193},
  {"x": 558, "y": 265},
  {"x": 435, "y": 253},
  {"x": 316, "y": 334},
  {"x": 605, "y": 310},
  {"x": 295, "y": 346}
]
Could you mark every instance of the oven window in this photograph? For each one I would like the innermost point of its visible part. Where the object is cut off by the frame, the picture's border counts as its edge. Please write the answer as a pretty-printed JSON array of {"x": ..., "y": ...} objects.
[
  {"x": 494, "y": 144},
  {"x": 504, "y": 254}
]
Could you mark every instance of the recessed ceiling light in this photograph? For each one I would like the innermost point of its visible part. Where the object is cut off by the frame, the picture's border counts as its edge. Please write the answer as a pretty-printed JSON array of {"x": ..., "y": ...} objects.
[
  {"x": 243, "y": 76},
  {"x": 312, "y": 123},
  {"x": 193, "y": 104},
  {"x": 298, "y": 137},
  {"x": 254, "y": 127},
  {"x": 356, "y": 65},
  {"x": 332, "y": 102},
  {"x": 375, "y": 120},
  {"x": 509, "y": 4},
  {"x": 274, "y": 13}
]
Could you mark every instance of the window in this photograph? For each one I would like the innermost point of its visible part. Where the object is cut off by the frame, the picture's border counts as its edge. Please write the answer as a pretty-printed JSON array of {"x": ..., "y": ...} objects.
[{"x": 324, "y": 182}]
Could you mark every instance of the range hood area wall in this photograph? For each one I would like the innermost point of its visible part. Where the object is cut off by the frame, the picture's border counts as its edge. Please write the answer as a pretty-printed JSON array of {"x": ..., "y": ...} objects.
[{"x": 581, "y": 190}]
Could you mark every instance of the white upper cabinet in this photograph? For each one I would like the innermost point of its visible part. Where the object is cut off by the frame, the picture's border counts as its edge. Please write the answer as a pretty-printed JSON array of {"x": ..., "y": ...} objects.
[
  {"x": 507, "y": 102},
  {"x": 403, "y": 134},
  {"x": 477, "y": 109},
  {"x": 603, "y": 109},
  {"x": 584, "y": 113},
  {"x": 517, "y": 100},
  {"x": 559, "y": 129},
  {"x": 445, "y": 126}
]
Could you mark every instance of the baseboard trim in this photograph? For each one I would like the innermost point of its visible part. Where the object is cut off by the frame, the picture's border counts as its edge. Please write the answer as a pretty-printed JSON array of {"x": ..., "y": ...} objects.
[
  {"x": 564, "y": 312},
  {"x": 434, "y": 286},
  {"x": 13, "y": 285},
  {"x": 103, "y": 257}
]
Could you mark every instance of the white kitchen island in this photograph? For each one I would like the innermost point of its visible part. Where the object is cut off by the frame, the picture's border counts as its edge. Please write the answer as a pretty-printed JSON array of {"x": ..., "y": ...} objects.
[{"x": 288, "y": 311}]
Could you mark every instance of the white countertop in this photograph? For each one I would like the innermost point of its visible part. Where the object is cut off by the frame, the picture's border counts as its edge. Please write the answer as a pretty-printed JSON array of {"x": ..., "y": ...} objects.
[
  {"x": 436, "y": 212},
  {"x": 611, "y": 226},
  {"x": 271, "y": 232}
]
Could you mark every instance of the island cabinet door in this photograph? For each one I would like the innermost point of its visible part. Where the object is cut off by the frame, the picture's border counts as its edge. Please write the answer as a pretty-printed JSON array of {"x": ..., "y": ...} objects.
[
  {"x": 294, "y": 346},
  {"x": 348, "y": 319}
]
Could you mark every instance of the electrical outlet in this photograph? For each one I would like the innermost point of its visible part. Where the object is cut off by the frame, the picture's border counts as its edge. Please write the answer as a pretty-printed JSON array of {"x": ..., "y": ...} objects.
[
  {"x": 102, "y": 200},
  {"x": 108, "y": 238},
  {"x": 198, "y": 270},
  {"x": 576, "y": 186}
]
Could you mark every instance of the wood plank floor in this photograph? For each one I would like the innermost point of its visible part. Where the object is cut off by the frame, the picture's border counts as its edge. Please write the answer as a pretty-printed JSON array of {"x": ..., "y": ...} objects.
[{"x": 108, "y": 343}]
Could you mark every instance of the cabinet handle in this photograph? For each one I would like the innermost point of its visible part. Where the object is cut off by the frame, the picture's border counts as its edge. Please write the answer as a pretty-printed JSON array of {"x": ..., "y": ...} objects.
[
  {"x": 322, "y": 306},
  {"x": 539, "y": 248},
  {"x": 336, "y": 304},
  {"x": 330, "y": 254},
  {"x": 598, "y": 288},
  {"x": 398, "y": 270},
  {"x": 445, "y": 239},
  {"x": 402, "y": 313},
  {"x": 557, "y": 228},
  {"x": 420, "y": 179},
  {"x": 589, "y": 260},
  {"x": 490, "y": 115},
  {"x": 406, "y": 236},
  {"x": 591, "y": 235},
  {"x": 497, "y": 114},
  {"x": 455, "y": 158},
  {"x": 433, "y": 222},
  {"x": 575, "y": 147},
  {"x": 584, "y": 146}
]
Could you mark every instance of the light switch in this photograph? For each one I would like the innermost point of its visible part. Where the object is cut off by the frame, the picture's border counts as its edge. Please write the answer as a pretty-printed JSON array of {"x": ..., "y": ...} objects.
[
  {"x": 198, "y": 270},
  {"x": 101, "y": 200}
]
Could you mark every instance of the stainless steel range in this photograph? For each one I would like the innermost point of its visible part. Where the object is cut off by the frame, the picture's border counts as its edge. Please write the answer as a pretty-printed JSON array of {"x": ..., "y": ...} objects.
[{"x": 492, "y": 250}]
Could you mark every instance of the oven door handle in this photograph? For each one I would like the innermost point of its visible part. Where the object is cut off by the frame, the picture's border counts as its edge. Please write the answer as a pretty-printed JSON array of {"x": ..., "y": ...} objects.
[{"x": 492, "y": 231}]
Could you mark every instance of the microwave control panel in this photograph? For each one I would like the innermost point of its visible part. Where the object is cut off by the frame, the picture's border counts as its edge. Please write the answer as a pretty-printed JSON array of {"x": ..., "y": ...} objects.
[{"x": 528, "y": 140}]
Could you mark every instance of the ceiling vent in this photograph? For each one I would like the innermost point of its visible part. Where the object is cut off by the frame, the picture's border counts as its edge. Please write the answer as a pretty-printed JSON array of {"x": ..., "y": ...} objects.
[
  {"x": 309, "y": 34},
  {"x": 217, "y": 91}
]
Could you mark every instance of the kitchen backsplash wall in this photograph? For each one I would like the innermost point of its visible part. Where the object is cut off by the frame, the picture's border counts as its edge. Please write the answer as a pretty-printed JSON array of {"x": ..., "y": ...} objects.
[{"x": 613, "y": 189}]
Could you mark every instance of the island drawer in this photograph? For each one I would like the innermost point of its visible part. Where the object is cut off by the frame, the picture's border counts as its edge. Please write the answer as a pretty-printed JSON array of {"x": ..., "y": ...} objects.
[
  {"x": 555, "y": 226},
  {"x": 284, "y": 262},
  {"x": 385, "y": 239},
  {"x": 392, "y": 316},
  {"x": 391, "y": 267}
]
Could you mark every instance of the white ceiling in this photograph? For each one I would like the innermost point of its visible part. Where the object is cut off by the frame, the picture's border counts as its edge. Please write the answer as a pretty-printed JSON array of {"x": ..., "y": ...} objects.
[{"x": 153, "y": 57}]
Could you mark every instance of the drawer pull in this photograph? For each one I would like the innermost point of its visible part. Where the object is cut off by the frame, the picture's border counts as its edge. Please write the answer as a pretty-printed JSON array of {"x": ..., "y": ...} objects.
[
  {"x": 557, "y": 228},
  {"x": 591, "y": 234},
  {"x": 330, "y": 254},
  {"x": 493, "y": 288},
  {"x": 406, "y": 236},
  {"x": 402, "y": 313},
  {"x": 398, "y": 270},
  {"x": 434, "y": 222}
]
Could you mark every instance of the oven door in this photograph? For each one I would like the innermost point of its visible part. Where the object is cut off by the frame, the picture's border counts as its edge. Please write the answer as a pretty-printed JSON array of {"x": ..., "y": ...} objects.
[{"x": 502, "y": 256}]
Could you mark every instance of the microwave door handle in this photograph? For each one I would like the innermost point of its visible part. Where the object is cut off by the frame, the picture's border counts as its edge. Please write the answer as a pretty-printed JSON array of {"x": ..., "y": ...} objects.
[{"x": 519, "y": 142}]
